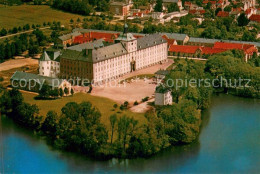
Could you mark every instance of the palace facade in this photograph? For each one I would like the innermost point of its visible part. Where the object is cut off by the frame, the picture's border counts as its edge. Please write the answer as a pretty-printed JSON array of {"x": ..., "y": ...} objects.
[{"x": 99, "y": 63}]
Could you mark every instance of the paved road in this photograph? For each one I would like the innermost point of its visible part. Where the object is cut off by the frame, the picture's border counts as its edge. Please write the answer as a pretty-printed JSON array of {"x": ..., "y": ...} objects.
[{"x": 29, "y": 31}]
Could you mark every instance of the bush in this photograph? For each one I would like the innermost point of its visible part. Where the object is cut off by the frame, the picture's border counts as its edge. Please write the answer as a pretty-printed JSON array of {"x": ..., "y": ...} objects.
[
  {"x": 115, "y": 106},
  {"x": 145, "y": 99},
  {"x": 122, "y": 107},
  {"x": 126, "y": 104},
  {"x": 135, "y": 103}
]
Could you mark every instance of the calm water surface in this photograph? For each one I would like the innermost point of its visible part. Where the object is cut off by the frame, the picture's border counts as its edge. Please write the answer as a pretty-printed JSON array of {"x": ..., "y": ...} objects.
[{"x": 229, "y": 143}]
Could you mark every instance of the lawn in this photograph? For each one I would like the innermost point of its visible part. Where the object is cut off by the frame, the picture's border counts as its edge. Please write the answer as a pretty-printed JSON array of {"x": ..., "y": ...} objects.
[
  {"x": 15, "y": 16},
  {"x": 104, "y": 105}
]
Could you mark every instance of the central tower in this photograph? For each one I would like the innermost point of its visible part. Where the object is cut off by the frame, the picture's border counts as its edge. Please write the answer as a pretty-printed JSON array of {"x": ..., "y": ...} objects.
[{"x": 128, "y": 40}]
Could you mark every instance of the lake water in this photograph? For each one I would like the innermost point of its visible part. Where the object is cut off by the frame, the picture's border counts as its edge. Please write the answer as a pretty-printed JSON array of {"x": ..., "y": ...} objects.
[{"x": 229, "y": 142}]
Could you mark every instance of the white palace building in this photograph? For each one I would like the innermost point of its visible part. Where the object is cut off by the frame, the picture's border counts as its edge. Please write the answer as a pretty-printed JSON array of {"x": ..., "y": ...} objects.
[{"x": 100, "y": 63}]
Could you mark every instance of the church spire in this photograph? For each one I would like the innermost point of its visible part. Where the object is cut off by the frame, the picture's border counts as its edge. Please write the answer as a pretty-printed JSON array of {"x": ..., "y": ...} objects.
[{"x": 125, "y": 28}]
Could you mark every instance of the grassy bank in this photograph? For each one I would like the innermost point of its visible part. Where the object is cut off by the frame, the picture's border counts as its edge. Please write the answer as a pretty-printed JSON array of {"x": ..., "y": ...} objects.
[
  {"x": 15, "y": 16},
  {"x": 103, "y": 104}
]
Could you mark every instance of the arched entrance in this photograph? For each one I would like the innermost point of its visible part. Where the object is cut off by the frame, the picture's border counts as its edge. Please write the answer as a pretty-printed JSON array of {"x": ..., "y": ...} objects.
[{"x": 133, "y": 66}]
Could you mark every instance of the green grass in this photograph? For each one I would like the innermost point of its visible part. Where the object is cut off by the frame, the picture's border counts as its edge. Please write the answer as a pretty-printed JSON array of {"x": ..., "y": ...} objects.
[
  {"x": 141, "y": 76},
  {"x": 104, "y": 105},
  {"x": 15, "y": 16}
]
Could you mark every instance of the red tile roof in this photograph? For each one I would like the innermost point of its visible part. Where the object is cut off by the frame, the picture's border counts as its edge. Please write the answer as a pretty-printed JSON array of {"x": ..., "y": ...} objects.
[
  {"x": 211, "y": 50},
  {"x": 206, "y": 1},
  {"x": 109, "y": 37},
  {"x": 80, "y": 39},
  {"x": 183, "y": 49},
  {"x": 197, "y": 11},
  {"x": 192, "y": 49},
  {"x": 255, "y": 17},
  {"x": 247, "y": 48},
  {"x": 239, "y": 9},
  {"x": 223, "y": 14}
]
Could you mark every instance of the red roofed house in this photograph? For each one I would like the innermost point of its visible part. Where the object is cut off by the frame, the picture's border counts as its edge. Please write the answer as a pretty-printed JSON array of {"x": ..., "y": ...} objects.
[
  {"x": 197, "y": 12},
  {"x": 248, "y": 49},
  {"x": 223, "y": 14},
  {"x": 255, "y": 17},
  {"x": 108, "y": 37},
  {"x": 119, "y": 8}
]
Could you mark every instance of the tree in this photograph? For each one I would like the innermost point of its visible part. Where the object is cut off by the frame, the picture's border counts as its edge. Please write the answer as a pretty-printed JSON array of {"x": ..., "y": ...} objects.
[
  {"x": 173, "y": 7},
  {"x": 49, "y": 126},
  {"x": 66, "y": 91},
  {"x": 126, "y": 104},
  {"x": 211, "y": 32},
  {"x": 28, "y": 115},
  {"x": 54, "y": 93},
  {"x": 54, "y": 35},
  {"x": 123, "y": 130},
  {"x": 61, "y": 92},
  {"x": 26, "y": 27},
  {"x": 45, "y": 90},
  {"x": 71, "y": 21},
  {"x": 115, "y": 106},
  {"x": 79, "y": 126},
  {"x": 242, "y": 20},
  {"x": 2, "y": 52},
  {"x": 72, "y": 91},
  {"x": 249, "y": 36},
  {"x": 159, "y": 6},
  {"x": 113, "y": 120},
  {"x": 228, "y": 8},
  {"x": 3, "y": 32},
  {"x": 15, "y": 30}
]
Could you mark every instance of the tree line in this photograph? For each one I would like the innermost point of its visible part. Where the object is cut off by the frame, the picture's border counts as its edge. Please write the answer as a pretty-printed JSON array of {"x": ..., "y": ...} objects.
[
  {"x": 27, "y": 27},
  {"x": 78, "y": 127},
  {"x": 21, "y": 43},
  {"x": 83, "y": 7},
  {"x": 31, "y": 42},
  {"x": 231, "y": 67}
]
